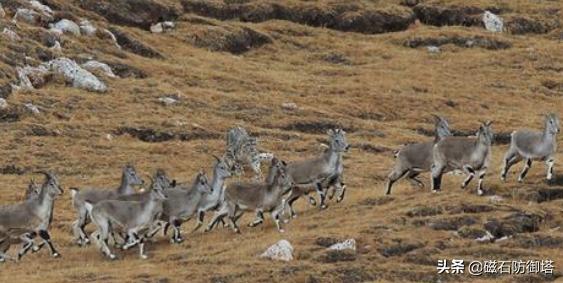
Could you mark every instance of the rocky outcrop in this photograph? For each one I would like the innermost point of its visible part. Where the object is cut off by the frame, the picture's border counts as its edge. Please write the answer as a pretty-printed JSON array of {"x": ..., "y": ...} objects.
[
  {"x": 76, "y": 75},
  {"x": 228, "y": 38},
  {"x": 281, "y": 250},
  {"x": 448, "y": 15},
  {"x": 133, "y": 45}
]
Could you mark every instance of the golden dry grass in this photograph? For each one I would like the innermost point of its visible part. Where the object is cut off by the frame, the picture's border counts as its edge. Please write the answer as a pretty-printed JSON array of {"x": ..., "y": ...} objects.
[{"x": 384, "y": 94}]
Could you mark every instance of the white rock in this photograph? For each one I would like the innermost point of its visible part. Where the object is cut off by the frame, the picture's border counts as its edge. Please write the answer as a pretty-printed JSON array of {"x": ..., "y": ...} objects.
[
  {"x": 168, "y": 25},
  {"x": 487, "y": 238},
  {"x": 32, "y": 108},
  {"x": 86, "y": 28},
  {"x": 76, "y": 75},
  {"x": 289, "y": 106},
  {"x": 109, "y": 137},
  {"x": 29, "y": 73},
  {"x": 94, "y": 66},
  {"x": 167, "y": 101},
  {"x": 3, "y": 103},
  {"x": 433, "y": 49},
  {"x": 281, "y": 250},
  {"x": 66, "y": 26},
  {"x": 349, "y": 244},
  {"x": 11, "y": 35},
  {"x": 43, "y": 9},
  {"x": 492, "y": 22},
  {"x": 157, "y": 28},
  {"x": 26, "y": 15}
]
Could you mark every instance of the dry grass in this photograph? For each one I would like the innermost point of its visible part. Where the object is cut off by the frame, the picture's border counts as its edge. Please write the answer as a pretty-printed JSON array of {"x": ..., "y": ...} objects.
[{"x": 377, "y": 87}]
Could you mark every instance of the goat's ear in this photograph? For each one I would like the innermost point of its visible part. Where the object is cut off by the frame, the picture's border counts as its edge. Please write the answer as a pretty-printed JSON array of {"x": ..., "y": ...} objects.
[
  {"x": 488, "y": 123},
  {"x": 173, "y": 184},
  {"x": 284, "y": 163}
]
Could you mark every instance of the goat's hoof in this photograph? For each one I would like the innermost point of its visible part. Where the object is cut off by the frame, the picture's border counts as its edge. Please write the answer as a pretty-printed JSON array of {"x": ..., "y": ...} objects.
[
  {"x": 35, "y": 249},
  {"x": 294, "y": 215},
  {"x": 435, "y": 191},
  {"x": 286, "y": 221},
  {"x": 112, "y": 256},
  {"x": 55, "y": 255},
  {"x": 281, "y": 230},
  {"x": 338, "y": 200},
  {"x": 144, "y": 256},
  {"x": 323, "y": 206},
  {"x": 237, "y": 230},
  {"x": 480, "y": 192}
]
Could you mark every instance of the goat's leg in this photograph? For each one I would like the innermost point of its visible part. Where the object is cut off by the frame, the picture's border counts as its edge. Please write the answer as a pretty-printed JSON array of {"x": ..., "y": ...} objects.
[
  {"x": 222, "y": 212},
  {"x": 482, "y": 174},
  {"x": 44, "y": 234},
  {"x": 395, "y": 175},
  {"x": 142, "y": 254},
  {"x": 437, "y": 172},
  {"x": 311, "y": 199},
  {"x": 103, "y": 238},
  {"x": 78, "y": 228},
  {"x": 290, "y": 200},
  {"x": 177, "y": 232},
  {"x": 231, "y": 214},
  {"x": 155, "y": 228},
  {"x": 322, "y": 195},
  {"x": 259, "y": 219},
  {"x": 525, "y": 170},
  {"x": 510, "y": 158},
  {"x": 470, "y": 172},
  {"x": 550, "y": 162},
  {"x": 412, "y": 177},
  {"x": 276, "y": 213},
  {"x": 200, "y": 217},
  {"x": 27, "y": 244}
]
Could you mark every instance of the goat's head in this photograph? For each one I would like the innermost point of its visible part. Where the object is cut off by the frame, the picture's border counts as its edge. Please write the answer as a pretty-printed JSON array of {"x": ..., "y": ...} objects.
[
  {"x": 338, "y": 140},
  {"x": 131, "y": 176},
  {"x": 552, "y": 123}
]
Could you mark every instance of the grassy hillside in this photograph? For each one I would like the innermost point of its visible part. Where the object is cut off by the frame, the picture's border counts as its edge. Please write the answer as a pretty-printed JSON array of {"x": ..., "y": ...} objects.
[{"x": 362, "y": 66}]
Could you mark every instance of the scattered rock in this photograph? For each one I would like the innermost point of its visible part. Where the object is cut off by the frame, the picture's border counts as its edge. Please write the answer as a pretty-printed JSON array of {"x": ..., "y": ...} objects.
[
  {"x": 3, "y": 104},
  {"x": 167, "y": 100},
  {"x": 65, "y": 26},
  {"x": 349, "y": 244},
  {"x": 290, "y": 106},
  {"x": 336, "y": 58},
  {"x": 433, "y": 49},
  {"x": 421, "y": 211},
  {"x": 162, "y": 27},
  {"x": 229, "y": 38},
  {"x": 32, "y": 77},
  {"x": 99, "y": 67},
  {"x": 282, "y": 250},
  {"x": 399, "y": 249},
  {"x": 452, "y": 223},
  {"x": 545, "y": 194},
  {"x": 26, "y": 15},
  {"x": 470, "y": 208},
  {"x": 519, "y": 222},
  {"x": 32, "y": 108},
  {"x": 136, "y": 13},
  {"x": 133, "y": 45},
  {"x": 76, "y": 75},
  {"x": 86, "y": 28},
  {"x": 11, "y": 170},
  {"x": 109, "y": 137},
  {"x": 145, "y": 134},
  {"x": 41, "y": 8},
  {"x": 492, "y": 22},
  {"x": 10, "y": 34}
]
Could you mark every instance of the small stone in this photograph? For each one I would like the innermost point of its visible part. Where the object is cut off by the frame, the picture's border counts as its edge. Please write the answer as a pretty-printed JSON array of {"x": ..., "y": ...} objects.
[
  {"x": 11, "y": 35},
  {"x": 86, "y": 28},
  {"x": 95, "y": 66},
  {"x": 349, "y": 244},
  {"x": 73, "y": 73},
  {"x": 289, "y": 106},
  {"x": 32, "y": 108},
  {"x": 167, "y": 101},
  {"x": 66, "y": 26},
  {"x": 433, "y": 49},
  {"x": 3, "y": 103},
  {"x": 493, "y": 23},
  {"x": 43, "y": 9},
  {"x": 157, "y": 28},
  {"x": 281, "y": 250},
  {"x": 109, "y": 137}
]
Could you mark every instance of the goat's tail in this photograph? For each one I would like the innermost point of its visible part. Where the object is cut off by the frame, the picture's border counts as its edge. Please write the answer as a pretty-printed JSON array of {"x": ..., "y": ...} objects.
[
  {"x": 89, "y": 207},
  {"x": 73, "y": 192}
]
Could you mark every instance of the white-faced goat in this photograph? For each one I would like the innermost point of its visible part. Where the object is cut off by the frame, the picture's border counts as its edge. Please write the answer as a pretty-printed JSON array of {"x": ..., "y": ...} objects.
[
  {"x": 310, "y": 175},
  {"x": 416, "y": 158},
  {"x": 134, "y": 218},
  {"x": 23, "y": 221},
  {"x": 182, "y": 204},
  {"x": 533, "y": 145},
  {"x": 258, "y": 197},
  {"x": 221, "y": 172},
  {"x": 469, "y": 154},
  {"x": 129, "y": 178}
]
